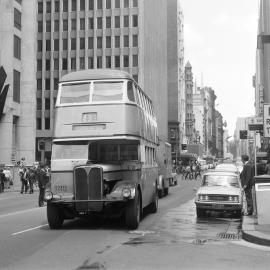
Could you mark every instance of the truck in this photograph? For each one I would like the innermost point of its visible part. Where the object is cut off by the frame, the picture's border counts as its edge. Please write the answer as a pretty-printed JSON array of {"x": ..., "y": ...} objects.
[
  {"x": 166, "y": 177},
  {"x": 195, "y": 149}
]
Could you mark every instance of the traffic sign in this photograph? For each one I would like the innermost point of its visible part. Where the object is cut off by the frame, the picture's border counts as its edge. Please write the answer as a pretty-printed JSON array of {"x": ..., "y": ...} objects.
[{"x": 266, "y": 120}]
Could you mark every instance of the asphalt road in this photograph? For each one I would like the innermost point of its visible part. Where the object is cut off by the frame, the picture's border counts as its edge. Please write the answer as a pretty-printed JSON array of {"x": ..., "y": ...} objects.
[{"x": 173, "y": 238}]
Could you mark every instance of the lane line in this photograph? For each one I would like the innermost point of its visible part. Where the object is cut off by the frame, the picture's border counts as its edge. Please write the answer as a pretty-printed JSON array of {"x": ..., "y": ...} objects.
[
  {"x": 28, "y": 230},
  {"x": 20, "y": 212}
]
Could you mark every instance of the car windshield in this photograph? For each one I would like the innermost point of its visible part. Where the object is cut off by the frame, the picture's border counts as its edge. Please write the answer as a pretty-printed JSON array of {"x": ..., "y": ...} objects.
[{"x": 220, "y": 180}]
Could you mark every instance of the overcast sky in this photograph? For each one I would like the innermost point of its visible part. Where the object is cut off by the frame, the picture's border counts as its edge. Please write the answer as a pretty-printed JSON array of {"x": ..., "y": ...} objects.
[{"x": 220, "y": 44}]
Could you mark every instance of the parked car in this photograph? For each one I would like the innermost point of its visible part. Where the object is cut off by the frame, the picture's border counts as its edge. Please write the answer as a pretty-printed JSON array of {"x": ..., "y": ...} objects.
[{"x": 219, "y": 191}]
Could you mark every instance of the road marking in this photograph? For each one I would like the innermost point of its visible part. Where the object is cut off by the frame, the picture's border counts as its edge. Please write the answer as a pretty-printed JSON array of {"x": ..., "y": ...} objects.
[
  {"x": 20, "y": 212},
  {"x": 31, "y": 229}
]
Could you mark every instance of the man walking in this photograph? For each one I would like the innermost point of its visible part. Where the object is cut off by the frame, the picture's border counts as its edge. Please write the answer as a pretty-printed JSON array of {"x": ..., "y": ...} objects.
[
  {"x": 247, "y": 181},
  {"x": 42, "y": 179}
]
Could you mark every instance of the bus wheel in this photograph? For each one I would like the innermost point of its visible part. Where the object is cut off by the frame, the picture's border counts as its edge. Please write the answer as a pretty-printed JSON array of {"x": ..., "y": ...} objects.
[
  {"x": 55, "y": 218},
  {"x": 133, "y": 212},
  {"x": 154, "y": 205}
]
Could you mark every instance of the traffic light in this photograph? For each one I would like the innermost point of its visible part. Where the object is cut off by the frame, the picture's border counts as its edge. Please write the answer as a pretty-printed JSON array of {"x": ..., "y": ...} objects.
[
  {"x": 41, "y": 145},
  {"x": 243, "y": 134}
]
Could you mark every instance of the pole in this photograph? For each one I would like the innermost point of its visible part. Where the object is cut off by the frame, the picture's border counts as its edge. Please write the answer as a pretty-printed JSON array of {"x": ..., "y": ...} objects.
[{"x": 255, "y": 153}]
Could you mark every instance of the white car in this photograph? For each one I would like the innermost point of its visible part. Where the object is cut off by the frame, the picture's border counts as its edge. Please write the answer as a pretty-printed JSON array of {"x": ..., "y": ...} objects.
[
  {"x": 227, "y": 167},
  {"x": 219, "y": 191}
]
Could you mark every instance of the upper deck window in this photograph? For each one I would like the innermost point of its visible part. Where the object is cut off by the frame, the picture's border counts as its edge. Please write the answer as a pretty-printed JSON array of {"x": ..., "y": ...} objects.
[
  {"x": 107, "y": 91},
  {"x": 75, "y": 93},
  {"x": 130, "y": 92}
]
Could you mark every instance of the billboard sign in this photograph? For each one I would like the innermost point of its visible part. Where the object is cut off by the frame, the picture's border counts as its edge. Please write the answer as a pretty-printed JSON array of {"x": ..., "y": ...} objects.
[
  {"x": 255, "y": 123},
  {"x": 266, "y": 120}
]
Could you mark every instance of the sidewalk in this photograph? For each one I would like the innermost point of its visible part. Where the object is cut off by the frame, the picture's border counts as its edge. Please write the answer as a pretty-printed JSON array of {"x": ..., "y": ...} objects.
[{"x": 254, "y": 233}]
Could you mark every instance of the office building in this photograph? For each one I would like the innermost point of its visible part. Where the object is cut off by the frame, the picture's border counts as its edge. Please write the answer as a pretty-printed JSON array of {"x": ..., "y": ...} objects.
[{"x": 17, "y": 58}]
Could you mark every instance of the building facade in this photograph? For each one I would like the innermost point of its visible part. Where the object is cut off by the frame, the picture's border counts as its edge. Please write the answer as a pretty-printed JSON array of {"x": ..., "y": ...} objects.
[
  {"x": 190, "y": 131},
  {"x": 17, "y": 57},
  {"x": 262, "y": 79},
  {"x": 219, "y": 135},
  {"x": 175, "y": 74}
]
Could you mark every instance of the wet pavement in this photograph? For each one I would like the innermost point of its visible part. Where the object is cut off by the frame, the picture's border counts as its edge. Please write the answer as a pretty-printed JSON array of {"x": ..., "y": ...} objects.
[{"x": 181, "y": 225}]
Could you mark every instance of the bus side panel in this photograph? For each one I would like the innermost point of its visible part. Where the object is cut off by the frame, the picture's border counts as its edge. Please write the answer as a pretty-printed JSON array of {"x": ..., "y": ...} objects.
[{"x": 96, "y": 120}]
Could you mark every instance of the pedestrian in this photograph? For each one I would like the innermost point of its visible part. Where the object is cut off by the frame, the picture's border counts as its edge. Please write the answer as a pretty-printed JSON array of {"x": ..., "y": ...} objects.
[
  {"x": 23, "y": 178},
  {"x": 197, "y": 170},
  {"x": 2, "y": 181},
  {"x": 31, "y": 180},
  {"x": 190, "y": 171},
  {"x": 247, "y": 181},
  {"x": 42, "y": 179},
  {"x": 8, "y": 177}
]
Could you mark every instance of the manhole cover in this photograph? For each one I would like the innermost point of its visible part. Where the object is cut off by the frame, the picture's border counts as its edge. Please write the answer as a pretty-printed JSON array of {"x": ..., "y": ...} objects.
[{"x": 229, "y": 236}]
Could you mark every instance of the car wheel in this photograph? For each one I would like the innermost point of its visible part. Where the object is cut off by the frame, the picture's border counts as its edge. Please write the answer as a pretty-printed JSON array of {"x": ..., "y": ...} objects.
[
  {"x": 133, "y": 212},
  {"x": 200, "y": 212},
  {"x": 154, "y": 205},
  {"x": 54, "y": 216}
]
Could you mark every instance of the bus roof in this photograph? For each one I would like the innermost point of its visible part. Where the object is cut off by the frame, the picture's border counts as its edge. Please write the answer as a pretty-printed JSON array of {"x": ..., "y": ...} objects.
[{"x": 96, "y": 74}]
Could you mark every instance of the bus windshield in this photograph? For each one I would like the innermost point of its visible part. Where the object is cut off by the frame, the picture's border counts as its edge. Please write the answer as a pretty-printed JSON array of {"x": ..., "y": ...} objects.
[
  {"x": 70, "y": 150},
  {"x": 113, "y": 152},
  {"x": 107, "y": 91}
]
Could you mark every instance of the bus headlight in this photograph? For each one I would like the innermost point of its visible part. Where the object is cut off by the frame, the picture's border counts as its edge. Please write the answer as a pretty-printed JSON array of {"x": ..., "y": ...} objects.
[
  {"x": 126, "y": 192},
  {"x": 48, "y": 195}
]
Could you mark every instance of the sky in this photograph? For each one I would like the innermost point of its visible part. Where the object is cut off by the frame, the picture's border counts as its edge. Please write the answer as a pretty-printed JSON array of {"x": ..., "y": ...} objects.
[{"x": 220, "y": 44}]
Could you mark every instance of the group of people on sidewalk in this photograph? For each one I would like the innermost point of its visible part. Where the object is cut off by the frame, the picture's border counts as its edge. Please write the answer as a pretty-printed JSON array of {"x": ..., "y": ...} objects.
[{"x": 37, "y": 174}]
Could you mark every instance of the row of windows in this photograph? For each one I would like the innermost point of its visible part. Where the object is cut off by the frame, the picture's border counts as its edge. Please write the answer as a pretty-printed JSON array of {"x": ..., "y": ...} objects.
[
  {"x": 99, "y": 23},
  {"x": 82, "y": 5},
  {"x": 47, "y": 84},
  {"x": 91, "y": 43},
  {"x": 82, "y": 65},
  {"x": 47, "y": 123},
  {"x": 47, "y": 103}
]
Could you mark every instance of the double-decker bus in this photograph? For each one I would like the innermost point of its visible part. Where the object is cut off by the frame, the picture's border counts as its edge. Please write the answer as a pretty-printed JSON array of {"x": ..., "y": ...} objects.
[{"x": 104, "y": 149}]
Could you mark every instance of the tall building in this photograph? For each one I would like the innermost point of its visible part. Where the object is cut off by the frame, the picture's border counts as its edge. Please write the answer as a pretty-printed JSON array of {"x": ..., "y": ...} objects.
[
  {"x": 17, "y": 57},
  {"x": 262, "y": 79},
  {"x": 219, "y": 135},
  {"x": 205, "y": 98},
  {"x": 175, "y": 74},
  {"x": 190, "y": 131}
]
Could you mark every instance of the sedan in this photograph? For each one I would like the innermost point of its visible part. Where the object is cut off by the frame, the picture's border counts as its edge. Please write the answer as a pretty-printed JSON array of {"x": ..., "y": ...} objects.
[
  {"x": 227, "y": 167},
  {"x": 219, "y": 191}
]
